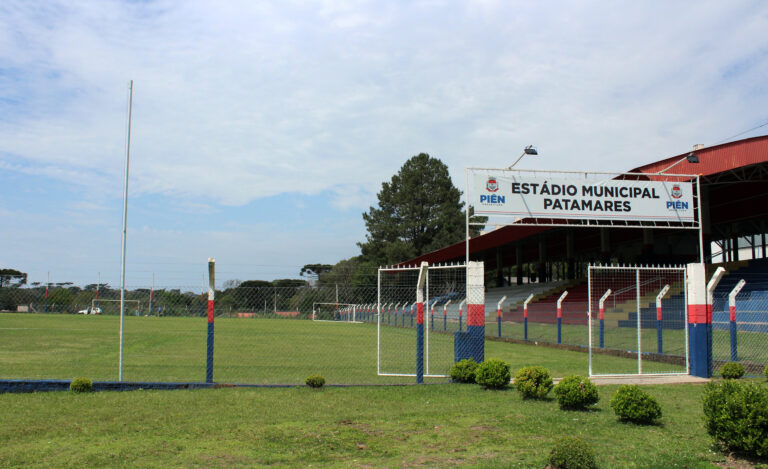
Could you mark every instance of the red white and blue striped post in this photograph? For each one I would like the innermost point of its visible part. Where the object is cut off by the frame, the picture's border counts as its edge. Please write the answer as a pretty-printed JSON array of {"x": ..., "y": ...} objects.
[
  {"x": 498, "y": 312},
  {"x": 209, "y": 348},
  {"x": 525, "y": 316},
  {"x": 734, "y": 327},
  {"x": 659, "y": 333},
  {"x": 413, "y": 309},
  {"x": 420, "y": 322},
  {"x": 476, "y": 310},
  {"x": 560, "y": 316},
  {"x": 601, "y": 305},
  {"x": 461, "y": 305},
  {"x": 402, "y": 315},
  {"x": 432, "y": 317},
  {"x": 700, "y": 295},
  {"x": 445, "y": 315}
]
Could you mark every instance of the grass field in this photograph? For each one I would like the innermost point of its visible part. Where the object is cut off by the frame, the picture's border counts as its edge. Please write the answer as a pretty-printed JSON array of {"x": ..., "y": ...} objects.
[
  {"x": 282, "y": 351},
  {"x": 445, "y": 425},
  {"x": 255, "y": 351}
]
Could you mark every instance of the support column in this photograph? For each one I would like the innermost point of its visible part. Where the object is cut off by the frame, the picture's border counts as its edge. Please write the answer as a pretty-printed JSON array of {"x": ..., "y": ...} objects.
[
  {"x": 499, "y": 267},
  {"x": 476, "y": 309},
  {"x": 700, "y": 318},
  {"x": 471, "y": 344},
  {"x": 648, "y": 254},
  {"x": 605, "y": 246},
  {"x": 706, "y": 224}
]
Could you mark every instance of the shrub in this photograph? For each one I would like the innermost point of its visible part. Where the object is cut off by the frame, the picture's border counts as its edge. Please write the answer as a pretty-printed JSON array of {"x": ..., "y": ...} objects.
[
  {"x": 732, "y": 370},
  {"x": 736, "y": 416},
  {"x": 632, "y": 404},
  {"x": 464, "y": 371},
  {"x": 572, "y": 453},
  {"x": 493, "y": 374},
  {"x": 765, "y": 371},
  {"x": 315, "y": 381},
  {"x": 81, "y": 385},
  {"x": 533, "y": 382},
  {"x": 576, "y": 392}
]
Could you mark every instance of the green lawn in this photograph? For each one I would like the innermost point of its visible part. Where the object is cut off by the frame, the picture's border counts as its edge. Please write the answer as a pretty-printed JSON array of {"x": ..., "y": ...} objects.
[
  {"x": 279, "y": 351},
  {"x": 444, "y": 425},
  {"x": 276, "y": 351}
]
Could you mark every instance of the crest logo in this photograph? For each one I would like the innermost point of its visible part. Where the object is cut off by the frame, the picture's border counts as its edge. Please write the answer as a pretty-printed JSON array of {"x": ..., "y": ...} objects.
[
  {"x": 492, "y": 185},
  {"x": 676, "y": 191}
]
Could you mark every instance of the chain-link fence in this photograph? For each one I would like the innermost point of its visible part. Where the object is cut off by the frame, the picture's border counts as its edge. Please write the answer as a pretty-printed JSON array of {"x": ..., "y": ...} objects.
[
  {"x": 267, "y": 335},
  {"x": 262, "y": 334},
  {"x": 444, "y": 313},
  {"x": 740, "y": 321}
]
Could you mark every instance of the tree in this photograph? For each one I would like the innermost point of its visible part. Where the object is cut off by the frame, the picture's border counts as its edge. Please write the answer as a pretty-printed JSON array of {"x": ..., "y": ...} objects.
[
  {"x": 12, "y": 278},
  {"x": 313, "y": 271},
  {"x": 419, "y": 211}
]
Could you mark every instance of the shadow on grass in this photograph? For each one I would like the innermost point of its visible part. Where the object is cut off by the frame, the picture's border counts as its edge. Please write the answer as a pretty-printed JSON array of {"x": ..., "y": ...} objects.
[
  {"x": 733, "y": 458},
  {"x": 655, "y": 423}
]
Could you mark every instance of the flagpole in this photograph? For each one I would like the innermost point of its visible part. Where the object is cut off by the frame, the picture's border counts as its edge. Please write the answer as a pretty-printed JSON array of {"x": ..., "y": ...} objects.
[{"x": 125, "y": 223}]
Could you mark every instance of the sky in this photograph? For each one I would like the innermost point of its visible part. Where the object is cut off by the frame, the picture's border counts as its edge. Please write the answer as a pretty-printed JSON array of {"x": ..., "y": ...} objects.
[{"x": 261, "y": 131}]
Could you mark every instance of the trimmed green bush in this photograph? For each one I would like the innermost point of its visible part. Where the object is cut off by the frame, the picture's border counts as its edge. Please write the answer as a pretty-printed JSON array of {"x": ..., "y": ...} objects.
[
  {"x": 572, "y": 453},
  {"x": 732, "y": 370},
  {"x": 632, "y": 404},
  {"x": 493, "y": 374},
  {"x": 81, "y": 384},
  {"x": 576, "y": 393},
  {"x": 315, "y": 381},
  {"x": 533, "y": 382},
  {"x": 736, "y": 416},
  {"x": 464, "y": 371},
  {"x": 765, "y": 371}
]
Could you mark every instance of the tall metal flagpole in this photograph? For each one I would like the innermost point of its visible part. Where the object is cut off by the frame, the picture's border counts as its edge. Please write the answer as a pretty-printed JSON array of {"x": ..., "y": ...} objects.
[{"x": 125, "y": 223}]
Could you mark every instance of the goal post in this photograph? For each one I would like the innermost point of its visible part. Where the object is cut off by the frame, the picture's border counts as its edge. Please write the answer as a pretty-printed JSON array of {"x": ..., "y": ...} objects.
[
  {"x": 102, "y": 306},
  {"x": 335, "y": 312}
]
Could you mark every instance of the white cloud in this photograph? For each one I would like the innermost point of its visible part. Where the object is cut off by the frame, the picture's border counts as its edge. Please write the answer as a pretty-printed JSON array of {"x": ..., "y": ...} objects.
[{"x": 237, "y": 101}]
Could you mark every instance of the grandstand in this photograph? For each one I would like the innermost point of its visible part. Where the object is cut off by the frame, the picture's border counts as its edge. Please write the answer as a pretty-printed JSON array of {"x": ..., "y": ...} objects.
[{"x": 546, "y": 260}]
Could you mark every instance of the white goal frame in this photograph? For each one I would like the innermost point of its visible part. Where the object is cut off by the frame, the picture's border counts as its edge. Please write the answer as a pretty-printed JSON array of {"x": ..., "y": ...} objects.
[
  {"x": 337, "y": 306},
  {"x": 96, "y": 302}
]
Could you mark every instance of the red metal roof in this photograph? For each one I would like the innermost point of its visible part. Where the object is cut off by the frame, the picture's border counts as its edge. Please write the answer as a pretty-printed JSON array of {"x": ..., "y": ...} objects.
[{"x": 715, "y": 159}]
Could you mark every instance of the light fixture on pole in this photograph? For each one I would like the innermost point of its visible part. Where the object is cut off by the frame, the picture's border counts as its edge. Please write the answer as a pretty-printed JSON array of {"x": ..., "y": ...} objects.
[
  {"x": 529, "y": 150},
  {"x": 690, "y": 157}
]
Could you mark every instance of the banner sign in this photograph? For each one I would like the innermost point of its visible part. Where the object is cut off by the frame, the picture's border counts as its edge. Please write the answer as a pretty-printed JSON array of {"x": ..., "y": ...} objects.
[{"x": 610, "y": 199}]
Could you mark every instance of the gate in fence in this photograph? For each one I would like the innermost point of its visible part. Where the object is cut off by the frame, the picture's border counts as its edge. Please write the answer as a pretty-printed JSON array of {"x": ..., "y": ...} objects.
[
  {"x": 451, "y": 313},
  {"x": 639, "y": 312}
]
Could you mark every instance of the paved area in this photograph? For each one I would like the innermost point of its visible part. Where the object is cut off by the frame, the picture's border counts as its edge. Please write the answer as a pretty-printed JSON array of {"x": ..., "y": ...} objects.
[{"x": 648, "y": 379}]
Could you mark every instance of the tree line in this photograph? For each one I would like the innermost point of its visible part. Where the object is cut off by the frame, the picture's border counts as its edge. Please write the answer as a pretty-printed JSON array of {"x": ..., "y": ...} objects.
[{"x": 419, "y": 210}]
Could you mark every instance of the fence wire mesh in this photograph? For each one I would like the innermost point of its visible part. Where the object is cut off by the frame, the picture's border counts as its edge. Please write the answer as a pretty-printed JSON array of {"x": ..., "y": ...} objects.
[
  {"x": 266, "y": 335},
  {"x": 444, "y": 313},
  {"x": 640, "y": 312},
  {"x": 740, "y": 322}
]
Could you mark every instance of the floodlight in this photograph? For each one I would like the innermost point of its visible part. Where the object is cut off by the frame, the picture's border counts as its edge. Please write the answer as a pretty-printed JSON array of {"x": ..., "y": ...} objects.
[{"x": 529, "y": 150}]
